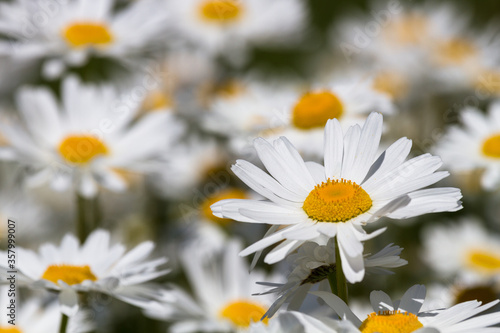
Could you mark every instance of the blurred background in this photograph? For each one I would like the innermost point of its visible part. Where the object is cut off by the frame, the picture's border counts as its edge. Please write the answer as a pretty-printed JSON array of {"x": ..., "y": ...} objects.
[{"x": 226, "y": 90}]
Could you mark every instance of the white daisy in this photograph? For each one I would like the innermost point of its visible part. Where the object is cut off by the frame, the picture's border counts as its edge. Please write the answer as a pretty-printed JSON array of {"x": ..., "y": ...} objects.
[
  {"x": 475, "y": 145},
  {"x": 86, "y": 140},
  {"x": 33, "y": 317},
  {"x": 257, "y": 109},
  {"x": 96, "y": 266},
  {"x": 222, "y": 287},
  {"x": 196, "y": 161},
  {"x": 313, "y": 263},
  {"x": 68, "y": 32},
  {"x": 225, "y": 26},
  {"x": 348, "y": 99},
  {"x": 404, "y": 316},
  {"x": 30, "y": 218},
  {"x": 316, "y": 203},
  {"x": 466, "y": 250}
]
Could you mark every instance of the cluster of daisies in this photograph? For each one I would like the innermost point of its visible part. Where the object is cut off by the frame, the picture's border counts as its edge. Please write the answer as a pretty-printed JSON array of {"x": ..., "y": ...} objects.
[{"x": 136, "y": 135}]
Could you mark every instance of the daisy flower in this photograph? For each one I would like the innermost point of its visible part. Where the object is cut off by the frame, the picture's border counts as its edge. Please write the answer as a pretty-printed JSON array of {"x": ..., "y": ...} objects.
[
  {"x": 222, "y": 287},
  {"x": 256, "y": 109},
  {"x": 221, "y": 26},
  {"x": 68, "y": 33},
  {"x": 404, "y": 316},
  {"x": 87, "y": 140},
  {"x": 96, "y": 266},
  {"x": 313, "y": 263},
  {"x": 196, "y": 161},
  {"x": 349, "y": 100},
  {"x": 23, "y": 210},
  {"x": 34, "y": 317},
  {"x": 316, "y": 203},
  {"x": 466, "y": 250},
  {"x": 475, "y": 145}
]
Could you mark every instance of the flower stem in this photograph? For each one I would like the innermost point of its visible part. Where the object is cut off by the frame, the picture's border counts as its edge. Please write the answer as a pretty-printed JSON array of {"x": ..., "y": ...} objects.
[
  {"x": 333, "y": 282},
  {"x": 341, "y": 281},
  {"x": 88, "y": 216},
  {"x": 64, "y": 323}
]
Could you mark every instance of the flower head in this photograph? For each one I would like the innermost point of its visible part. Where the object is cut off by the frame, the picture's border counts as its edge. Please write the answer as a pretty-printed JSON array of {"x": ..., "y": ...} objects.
[
  {"x": 72, "y": 268},
  {"x": 353, "y": 188}
]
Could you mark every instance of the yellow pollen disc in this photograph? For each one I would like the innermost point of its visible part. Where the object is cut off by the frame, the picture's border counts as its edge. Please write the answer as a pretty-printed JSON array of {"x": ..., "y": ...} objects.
[
  {"x": 243, "y": 313},
  {"x": 9, "y": 330},
  {"x": 87, "y": 33},
  {"x": 455, "y": 51},
  {"x": 315, "y": 108},
  {"x": 391, "y": 84},
  {"x": 408, "y": 30},
  {"x": 485, "y": 261},
  {"x": 491, "y": 146},
  {"x": 229, "y": 89},
  {"x": 69, "y": 274},
  {"x": 229, "y": 193},
  {"x": 484, "y": 294},
  {"x": 80, "y": 149},
  {"x": 390, "y": 322},
  {"x": 157, "y": 100},
  {"x": 486, "y": 82},
  {"x": 221, "y": 11},
  {"x": 336, "y": 201}
]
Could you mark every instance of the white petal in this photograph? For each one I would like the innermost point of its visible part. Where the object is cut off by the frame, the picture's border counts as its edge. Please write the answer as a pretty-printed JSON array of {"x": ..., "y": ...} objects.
[
  {"x": 413, "y": 299},
  {"x": 334, "y": 149},
  {"x": 338, "y": 306}
]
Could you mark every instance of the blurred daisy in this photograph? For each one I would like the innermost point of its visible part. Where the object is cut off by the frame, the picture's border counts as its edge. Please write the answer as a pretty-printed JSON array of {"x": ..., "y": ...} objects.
[
  {"x": 88, "y": 140},
  {"x": 256, "y": 109},
  {"x": 349, "y": 100},
  {"x": 466, "y": 250},
  {"x": 29, "y": 216},
  {"x": 475, "y": 145},
  {"x": 67, "y": 33},
  {"x": 96, "y": 266},
  {"x": 196, "y": 161},
  {"x": 222, "y": 287},
  {"x": 316, "y": 203},
  {"x": 226, "y": 26},
  {"x": 33, "y": 317},
  {"x": 404, "y": 316},
  {"x": 313, "y": 263}
]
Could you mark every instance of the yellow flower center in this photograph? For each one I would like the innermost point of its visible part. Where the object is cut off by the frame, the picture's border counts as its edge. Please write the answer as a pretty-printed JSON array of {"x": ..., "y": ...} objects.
[
  {"x": 229, "y": 193},
  {"x": 221, "y": 11},
  {"x": 80, "y": 149},
  {"x": 87, "y": 33},
  {"x": 315, "y": 108},
  {"x": 487, "y": 81},
  {"x": 390, "y": 322},
  {"x": 6, "y": 329},
  {"x": 69, "y": 274},
  {"x": 484, "y": 294},
  {"x": 391, "y": 84},
  {"x": 157, "y": 100},
  {"x": 336, "y": 201},
  {"x": 408, "y": 30},
  {"x": 484, "y": 261},
  {"x": 455, "y": 51},
  {"x": 243, "y": 313},
  {"x": 491, "y": 146}
]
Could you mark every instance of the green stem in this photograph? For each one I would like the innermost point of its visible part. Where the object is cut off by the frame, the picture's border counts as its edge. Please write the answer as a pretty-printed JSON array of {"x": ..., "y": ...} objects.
[
  {"x": 64, "y": 324},
  {"x": 333, "y": 282},
  {"x": 88, "y": 216},
  {"x": 341, "y": 281}
]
